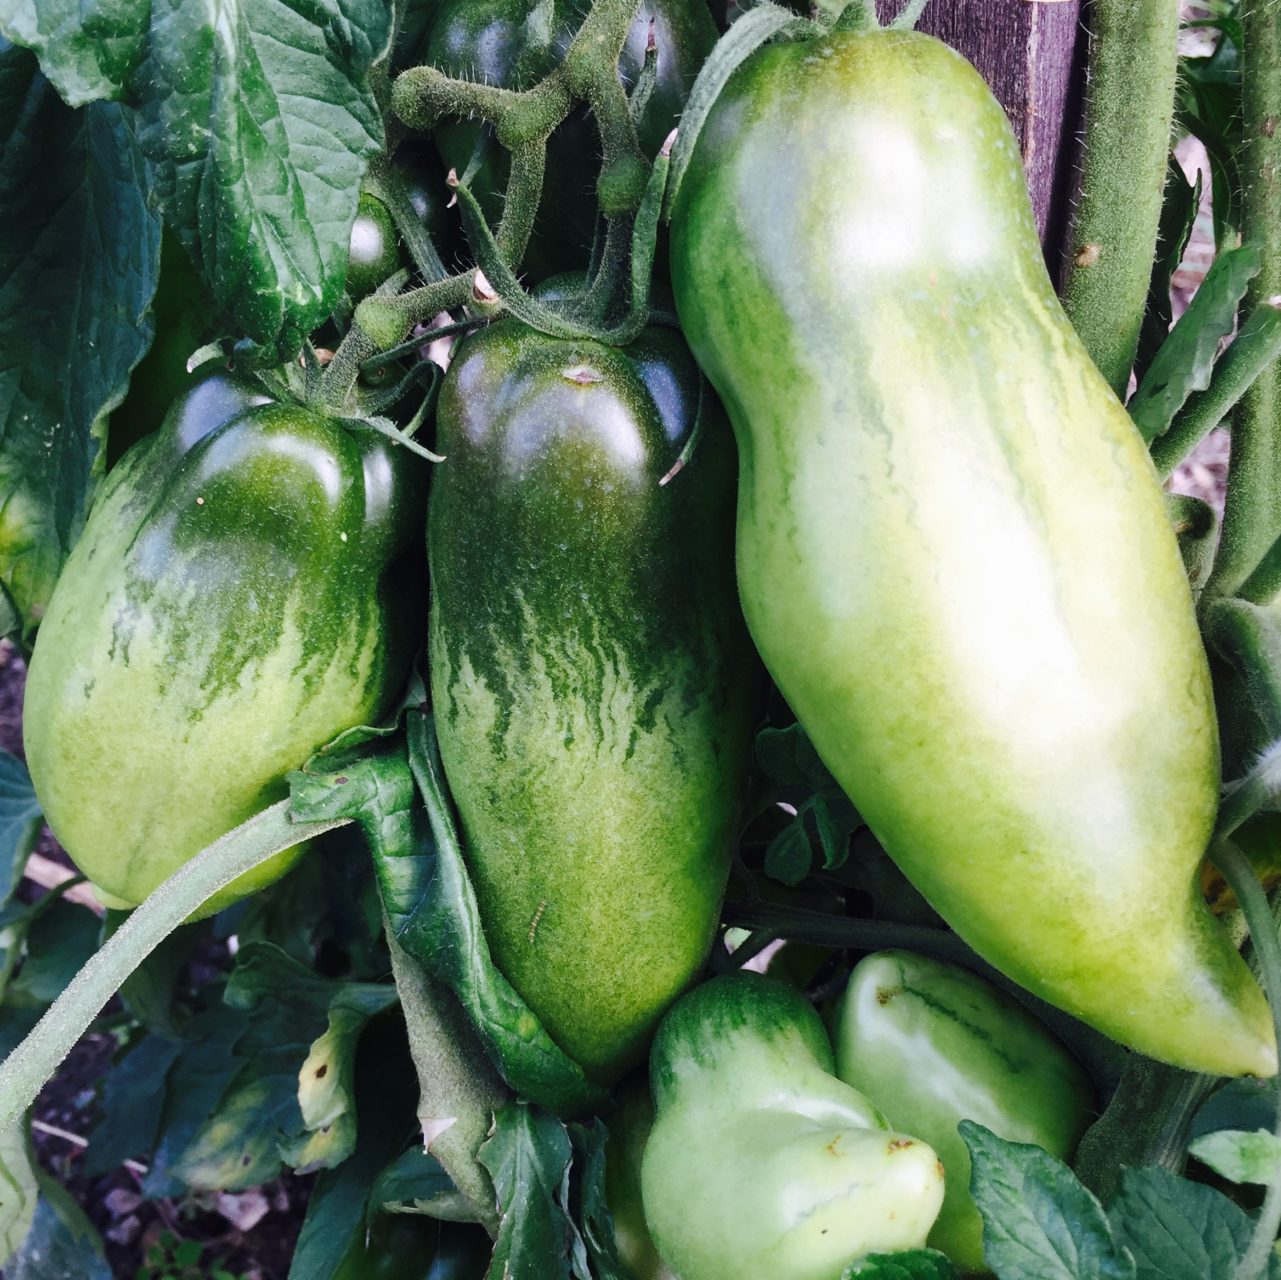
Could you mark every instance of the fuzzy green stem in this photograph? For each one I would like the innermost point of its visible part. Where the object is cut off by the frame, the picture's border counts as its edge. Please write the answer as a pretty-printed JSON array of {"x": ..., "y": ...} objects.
[
  {"x": 1129, "y": 108},
  {"x": 1252, "y": 514},
  {"x": 26, "y": 1069},
  {"x": 1255, "y": 348},
  {"x": 520, "y": 207},
  {"x": 1240, "y": 876},
  {"x": 459, "y": 1091}
]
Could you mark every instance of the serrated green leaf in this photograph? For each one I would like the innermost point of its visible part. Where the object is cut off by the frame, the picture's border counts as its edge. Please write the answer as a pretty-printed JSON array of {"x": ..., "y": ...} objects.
[
  {"x": 914, "y": 1264},
  {"x": 20, "y": 820},
  {"x": 1039, "y": 1222},
  {"x": 260, "y": 121},
  {"x": 1239, "y": 1104},
  {"x": 1185, "y": 361},
  {"x": 788, "y": 757},
  {"x": 416, "y": 1181},
  {"x": 79, "y": 262},
  {"x": 1241, "y": 1155},
  {"x": 1180, "y": 1230},
  {"x": 788, "y": 856},
  {"x": 87, "y": 51},
  {"x": 528, "y": 1156}
]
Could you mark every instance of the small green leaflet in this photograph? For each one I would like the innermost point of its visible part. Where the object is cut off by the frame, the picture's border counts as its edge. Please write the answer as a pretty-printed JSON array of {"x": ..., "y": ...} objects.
[
  {"x": 1241, "y": 1155},
  {"x": 915, "y": 1264},
  {"x": 19, "y": 822}
]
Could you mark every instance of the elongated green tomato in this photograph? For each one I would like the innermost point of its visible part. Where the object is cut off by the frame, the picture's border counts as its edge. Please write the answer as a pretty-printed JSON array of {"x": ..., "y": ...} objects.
[
  {"x": 761, "y": 1162},
  {"x": 244, "y": 590},
  {"x": 953, "y": 551},
  {"x": 931, "y": 1044},
  {"x": 592, "y": 678}
]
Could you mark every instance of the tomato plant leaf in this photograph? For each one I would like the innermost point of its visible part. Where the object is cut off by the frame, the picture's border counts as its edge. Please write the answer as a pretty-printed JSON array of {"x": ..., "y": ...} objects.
[
  {"x": 20, "y": 820},
  {"x": 788, "y": 855},
  {"x": 1039, "y": 1222},
  {"x": 260, "y": 121},
  {"x": 1241, "y": 1155},
  {"x": 440, "y": 927},
  {"x": 1246, "y": 1103},
  {"x": 339, "y": 1205},
  {"x": 79, "y": 262},
  {"x": 17, "y": 1190},
  {"x": 1185, "y": 361},
  {"x": 914, "y": 1264},
  {"x": 43, "y": 1231},
  {"x": 130, "y": 1104},
  {"x": 414, "y": 1178},
  {"x": 1180, "y": 1230},
  {"x": 593, "y": 1218},
  {"x": 87, "y": 51},
  {"x": 528, "y": 1157},
  {"x": 788, "y": 757}
]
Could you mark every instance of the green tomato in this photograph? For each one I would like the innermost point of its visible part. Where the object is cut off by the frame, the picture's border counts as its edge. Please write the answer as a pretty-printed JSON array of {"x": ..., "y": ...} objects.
[
  {"x": 374, "y": 252},
  {"x": 591, "y": 675},
  {"x": 931, "y": 1045},
  {"x": 242, "y": 593},
  {"x": 761, "y": 1162},
  {"x": 953, "y": 549}
]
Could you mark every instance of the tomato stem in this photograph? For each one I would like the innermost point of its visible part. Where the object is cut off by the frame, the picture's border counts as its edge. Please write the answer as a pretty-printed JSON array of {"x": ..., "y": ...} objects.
[
  {"x": 24, "y": 1072},
  {"x": 1252, "y": 516},
  {"x": 1129, "y": 110}
]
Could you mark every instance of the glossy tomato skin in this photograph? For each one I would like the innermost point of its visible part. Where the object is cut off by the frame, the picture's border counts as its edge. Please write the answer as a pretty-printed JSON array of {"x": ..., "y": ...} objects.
[
  {"x": 489, "y": 41},
  {"x": 374, "y": 251},
  {"x": 932, "y": 1044},
  {"x": 591, "y": 676},
  {"x": 953, "y": 551},
  {"x": 245, "y": 589}
]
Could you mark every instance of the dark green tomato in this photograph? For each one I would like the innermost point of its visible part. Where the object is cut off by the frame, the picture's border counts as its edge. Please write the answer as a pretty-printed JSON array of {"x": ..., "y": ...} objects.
[
  {"x": 490, "y": 41},
  {"x": 244, "y": 591},
  {"x": 186, "y": 317},
  {"x": 402, "y": 1246},
  {"x": 374, "y": 251},
  {"x": 418, "y": 167},
  {"x": 591, "y": 676}
]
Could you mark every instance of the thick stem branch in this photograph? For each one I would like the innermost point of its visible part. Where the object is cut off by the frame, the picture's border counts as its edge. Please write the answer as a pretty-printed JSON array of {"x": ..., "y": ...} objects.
[
  {"x": 1129, "y": 109},
  {"x": 1252, "y": 515}
]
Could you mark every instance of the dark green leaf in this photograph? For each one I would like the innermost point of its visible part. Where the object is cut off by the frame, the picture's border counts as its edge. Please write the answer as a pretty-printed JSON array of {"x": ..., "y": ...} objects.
[
  {"x": 1039, "y": 1222},
  {"x": 836, "y": 820},
  {"x": 915, "y": 1264},
  {"x": 1186, "y": 359},
  {"x": 591, "y": 1210},
  {"x": 60, "y": 938},
  {"x": 18, "y": 1189},
  {"x": 788, "y": 756},
  {"x": 788, "y": 856},
  {"x": 414, "y": 1177},
  {"x": 19, "y": 822},
  {"x": 260, "y": 121},
  {"x": 528, "y": 1156},
  {"x": 131, "y": 1102},
  {"x": 1179, "y": 208},
  {"x": 1241, "y": 1155},
  {"x": 432, "y": 906},
  {"x": 148, "y": 992},
  {"x": 1179, "y": 1230},
  {"x": 1239, "y": 1104},
  {"x": 79, "y": 262}
]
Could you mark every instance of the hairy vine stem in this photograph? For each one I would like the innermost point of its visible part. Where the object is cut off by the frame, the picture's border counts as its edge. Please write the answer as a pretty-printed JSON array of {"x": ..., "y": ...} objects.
[
  {"x": 25, "y": 1070},
  {"x": 1252, "y": 515},
  {"x": 1129, "y": 110}
]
